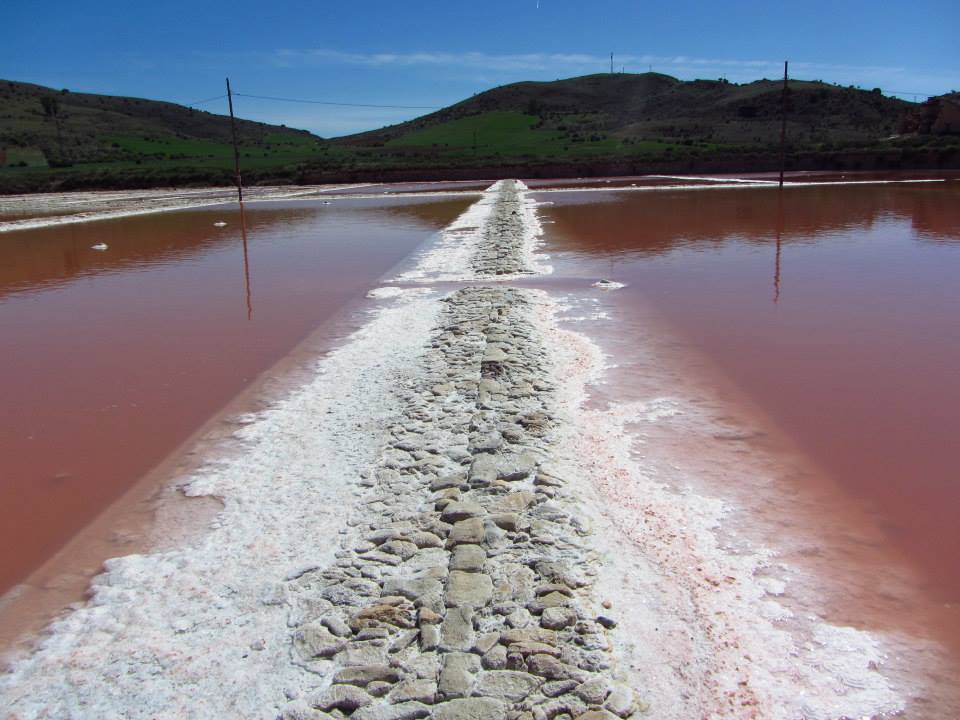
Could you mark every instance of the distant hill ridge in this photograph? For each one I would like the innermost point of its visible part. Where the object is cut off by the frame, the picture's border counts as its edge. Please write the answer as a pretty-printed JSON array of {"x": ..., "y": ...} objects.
[
  {"x": 592, "y": 125},
  {"x": 633, "y": 108},
  {"x": 40, "y": 126}
]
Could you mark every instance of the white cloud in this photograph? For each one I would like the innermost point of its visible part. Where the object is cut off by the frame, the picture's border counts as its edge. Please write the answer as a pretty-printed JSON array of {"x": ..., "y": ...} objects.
[{"x": 553, "y": 62}]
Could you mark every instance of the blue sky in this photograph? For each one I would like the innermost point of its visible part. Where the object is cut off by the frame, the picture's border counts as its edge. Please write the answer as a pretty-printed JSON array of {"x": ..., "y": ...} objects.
[{"x": 435, "y": 53}]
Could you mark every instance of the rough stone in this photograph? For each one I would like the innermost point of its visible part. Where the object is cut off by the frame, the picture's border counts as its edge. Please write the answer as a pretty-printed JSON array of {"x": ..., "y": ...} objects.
[
  {"x": 314, "y": 640},
  {"x": 457, "y": 631},
  {"x": 470, "y": 709},
  {"x": 552, "y": 669},
  {"x": 557, "y": 618},
  {"x": 457, "y": 674},
  {"x": 411, "y": 587},
  {"x": 462, "y": 510},
  {"x": 622, "y": 702},
  {"x": 467, "y": 588},
  {"x": 594, "y": 691},
  {"x": 466, "y": 532},
  {"x": 495, "y": 658},
  {"x": 402, "y": 711},
  {"x": 508, "y": 685},
  {"x": 555, "y": 688},
  {"x": 362, "y": 675},
  {"x": 468, "y": 558},
  {"x": 600, "y": 714},
  {"x": 341, "y": 697},
  {"x": 421, "y": 690}
]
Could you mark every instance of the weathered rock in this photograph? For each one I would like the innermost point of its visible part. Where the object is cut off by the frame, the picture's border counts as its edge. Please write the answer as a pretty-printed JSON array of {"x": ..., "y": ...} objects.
[
  {"x": 462, "y": 510},
  {"x": 429, "y": 637},
  {"x": 336, "y": 625},
  {"x": 456, "y": 632},
  {"x": 516, "y": 467},
  {"x": 600, "y": 714},
  {"x": 402, "y": 711},
  {"x": 468, "y": 558},
  {"x": 411, "y": 587},
  {"x": 341, "y": 697},
  {"x": 314, "y": 640},
  {"x": 552, "y": 669},
  {"x": 515, "y": 502},
  {"x": 622, "y": 702},
  {"x": 401, "y": 616},
  {"x": 470, "y": 709},
  {"x": 593, "y": 691},
  {"x": 557, "y": 618},
  {"x": 508, "y": 685},
  {"x": 468, "y": 588},
  {"x": 549, "y": 600},
  {"x": 420, "y": 690},
  {"x": 495, "y": 658},
  {"x": 458, "y": 674},
  {"x": 362, "y": 675},
  {"x": 449, "y": 481},
  {"x": 555, "y": 688},
  {"x": 466, "y": 532}
]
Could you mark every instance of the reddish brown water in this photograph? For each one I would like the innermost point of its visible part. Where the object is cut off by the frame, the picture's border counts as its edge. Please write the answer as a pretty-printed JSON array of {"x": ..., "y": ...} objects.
[
  {"x": 111, "y": 359},
  {"x": 841, "y": 340}
]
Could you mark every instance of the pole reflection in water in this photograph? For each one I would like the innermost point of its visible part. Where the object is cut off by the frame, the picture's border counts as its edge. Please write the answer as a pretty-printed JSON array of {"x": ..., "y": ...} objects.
[
  {"x": 776, "y": 266},
  {"x": 246, "y": 261}
]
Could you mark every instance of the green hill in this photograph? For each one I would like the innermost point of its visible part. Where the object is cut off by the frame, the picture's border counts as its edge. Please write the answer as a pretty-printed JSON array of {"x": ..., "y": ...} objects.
[
  {"x": 597, "y": 124},
  {"x": 41, "y": 127},
  {"x": 624, "y": 114}
]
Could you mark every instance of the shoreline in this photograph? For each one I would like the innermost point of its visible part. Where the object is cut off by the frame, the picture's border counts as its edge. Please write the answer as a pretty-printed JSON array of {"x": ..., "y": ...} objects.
[{"x": 472, "y": 436}]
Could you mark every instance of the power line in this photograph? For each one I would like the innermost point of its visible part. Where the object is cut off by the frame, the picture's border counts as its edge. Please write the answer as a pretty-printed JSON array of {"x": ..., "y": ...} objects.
[
  {"x": 339, "y": 104},
  {"x": 201, "y": 102}
]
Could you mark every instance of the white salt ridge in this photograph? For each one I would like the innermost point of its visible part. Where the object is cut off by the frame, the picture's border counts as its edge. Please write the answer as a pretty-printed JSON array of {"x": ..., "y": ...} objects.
[
  {"x": 201, "y": 631},
  {"x": 449, "y": 257},
  {"x": 609, "y": 285},
  {"x": 730, "y": 184},
  {"x": 701, "y": 632}
]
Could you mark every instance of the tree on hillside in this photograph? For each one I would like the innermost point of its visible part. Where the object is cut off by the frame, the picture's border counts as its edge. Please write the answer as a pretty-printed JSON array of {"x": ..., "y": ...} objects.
[{"x": 51, "y": 109}]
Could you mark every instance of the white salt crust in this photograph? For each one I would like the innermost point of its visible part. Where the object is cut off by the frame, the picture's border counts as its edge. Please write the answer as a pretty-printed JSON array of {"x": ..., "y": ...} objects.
[{"x": 448, "y": 259}]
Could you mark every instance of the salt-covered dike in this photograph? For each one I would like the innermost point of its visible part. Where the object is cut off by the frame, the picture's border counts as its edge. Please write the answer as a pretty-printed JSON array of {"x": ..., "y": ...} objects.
[{"x": 408, "y": 535}]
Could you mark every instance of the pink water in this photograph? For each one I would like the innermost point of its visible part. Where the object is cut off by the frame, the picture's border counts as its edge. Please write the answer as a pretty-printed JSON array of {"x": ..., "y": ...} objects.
[
  {"x": 825, "y": 321},
  {"x": 111, "y": 359}
]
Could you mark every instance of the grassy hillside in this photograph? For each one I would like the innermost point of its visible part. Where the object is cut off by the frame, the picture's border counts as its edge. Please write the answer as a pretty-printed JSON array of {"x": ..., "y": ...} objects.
[
  {"x": 597, "y": 124},
  {"x": 626, "y": 114},
  {"x": 45, "y": 128}
]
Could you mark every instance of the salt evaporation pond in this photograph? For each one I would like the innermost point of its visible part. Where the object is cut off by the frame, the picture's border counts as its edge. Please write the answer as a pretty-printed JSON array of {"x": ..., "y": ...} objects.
[
  {"x": 796, "y": 356},
  {"x": 113, "y": 358},
  {"x": 769, "y": 423}
]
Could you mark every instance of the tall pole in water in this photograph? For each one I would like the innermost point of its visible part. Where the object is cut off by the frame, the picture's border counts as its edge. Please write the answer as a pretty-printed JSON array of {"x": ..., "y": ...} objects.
[
  {"x": 236, "y": 150},
  {"x": 611, "y": 63},
  {"x": 783, "y": 123}
]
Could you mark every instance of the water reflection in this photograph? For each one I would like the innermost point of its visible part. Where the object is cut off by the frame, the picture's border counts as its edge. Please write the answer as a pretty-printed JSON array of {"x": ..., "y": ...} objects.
[
  {"x": 608, "y": 222},
  {"x": 246, "y": 262},
  {"x": 108, "y": 360}
]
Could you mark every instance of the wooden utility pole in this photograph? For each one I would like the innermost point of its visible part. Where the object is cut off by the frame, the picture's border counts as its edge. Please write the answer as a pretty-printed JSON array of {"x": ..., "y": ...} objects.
[
  {"x": 783, "y": 123},
  {"x": 611, "y": 63},
  {"x": 236, "y": 150}
]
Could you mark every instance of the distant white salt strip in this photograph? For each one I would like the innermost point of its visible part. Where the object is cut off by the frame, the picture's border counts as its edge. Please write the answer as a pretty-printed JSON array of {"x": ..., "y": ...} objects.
[
  {"x": 701, "y": 631},
  {"x": 202, "y": 631},
  {"x": 714, "y": 179},
  {"x": 730, "y": 185},
  {"x": 608, "y": 285},
  {"x": 448, "y": 258},
  {"x": 108, "y": 205}
]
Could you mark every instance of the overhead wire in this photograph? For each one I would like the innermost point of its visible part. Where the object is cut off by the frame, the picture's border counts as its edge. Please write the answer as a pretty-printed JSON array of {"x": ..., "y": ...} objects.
[{"x": 338, "y": 104}]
